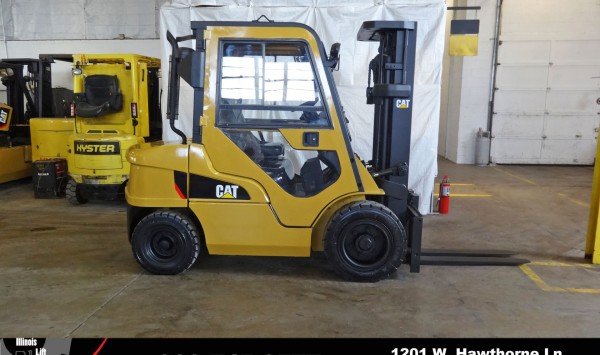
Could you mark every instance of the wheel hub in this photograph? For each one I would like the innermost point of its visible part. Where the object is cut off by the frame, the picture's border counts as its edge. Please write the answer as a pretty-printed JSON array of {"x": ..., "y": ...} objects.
[
  {"x": 365, "y": 242},
  {"x": 164, "y": 246}
]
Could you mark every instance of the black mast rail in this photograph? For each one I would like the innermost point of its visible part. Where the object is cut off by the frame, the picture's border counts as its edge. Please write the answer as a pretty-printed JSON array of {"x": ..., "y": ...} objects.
[{"x": 392, "y": 72}]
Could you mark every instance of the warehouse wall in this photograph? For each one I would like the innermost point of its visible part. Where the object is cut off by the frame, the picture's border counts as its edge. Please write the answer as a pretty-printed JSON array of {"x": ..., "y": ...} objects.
[
  {"x": 79, "y": 19},
  {"x": 468, "y": 78},
  {"x": 450, "y": 92},
  {"x": 34, "y": 27},
  {"x": 467, "y": 89},
  {"x": 548, "y": 81}
]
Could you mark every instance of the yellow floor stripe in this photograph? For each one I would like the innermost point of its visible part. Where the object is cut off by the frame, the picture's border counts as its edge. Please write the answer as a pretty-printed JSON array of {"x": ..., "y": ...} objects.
[
  {"x": 536, "y": 278},
  {"x": 582, "y": 204},
  {"x": 557, "y": 263},
  {"x": 516, "y": 176},
  {"x": 582, "y": 290},
  {"x": 545, "y": 287}
]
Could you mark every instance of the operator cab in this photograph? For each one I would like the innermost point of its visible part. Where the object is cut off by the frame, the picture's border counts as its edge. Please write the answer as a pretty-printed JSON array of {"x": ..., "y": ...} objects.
[{"x": 265, "y": 86}]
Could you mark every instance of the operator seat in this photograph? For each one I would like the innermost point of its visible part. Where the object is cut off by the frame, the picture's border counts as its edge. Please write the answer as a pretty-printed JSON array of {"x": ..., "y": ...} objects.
[
  {"x": 101, "y": 96},
  {"x": 314, "y": 178}
]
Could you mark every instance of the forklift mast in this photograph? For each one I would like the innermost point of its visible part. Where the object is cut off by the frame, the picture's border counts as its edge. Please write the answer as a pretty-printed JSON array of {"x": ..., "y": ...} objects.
[
  {"x": 33, "y": 101},
  {"x": 392, "y": 71},
  {"x": 28, "y": 93}
]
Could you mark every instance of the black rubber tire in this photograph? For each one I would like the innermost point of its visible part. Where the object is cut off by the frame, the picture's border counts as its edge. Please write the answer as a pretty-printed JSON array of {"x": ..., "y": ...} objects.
[
  {"x": 73, "y": 193},
  {"x": 365, "y": 241},
  {"x": 166, "y": 242}
]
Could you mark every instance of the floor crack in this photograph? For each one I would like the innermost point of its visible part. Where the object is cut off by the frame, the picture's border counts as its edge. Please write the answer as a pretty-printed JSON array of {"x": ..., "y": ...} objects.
[{"x": 69, "y": 334}]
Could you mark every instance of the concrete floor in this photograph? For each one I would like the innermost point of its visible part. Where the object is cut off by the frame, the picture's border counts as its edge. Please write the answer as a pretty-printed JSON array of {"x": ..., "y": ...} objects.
[{"x": 69, "y": 272}]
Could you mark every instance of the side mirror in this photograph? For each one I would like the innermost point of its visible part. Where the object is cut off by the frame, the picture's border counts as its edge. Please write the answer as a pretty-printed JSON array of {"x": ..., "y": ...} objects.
[
  {"x": 334, "y": 56},
  {"x": 334, "y": 52}
]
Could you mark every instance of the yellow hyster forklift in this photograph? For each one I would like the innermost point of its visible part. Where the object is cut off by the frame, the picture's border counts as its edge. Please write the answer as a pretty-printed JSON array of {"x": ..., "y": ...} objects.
[
  {"x": 269, "y": 169},
  {"x": 116, "y": 106},
  {"x": 29, "y": 96}
]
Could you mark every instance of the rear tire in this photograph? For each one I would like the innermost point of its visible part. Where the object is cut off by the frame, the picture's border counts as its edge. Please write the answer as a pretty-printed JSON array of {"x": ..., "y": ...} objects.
[
  {"x": 166, "y": 242},
  {"x": 73, "y": 193},
  {"x": 365, "y": 241}
]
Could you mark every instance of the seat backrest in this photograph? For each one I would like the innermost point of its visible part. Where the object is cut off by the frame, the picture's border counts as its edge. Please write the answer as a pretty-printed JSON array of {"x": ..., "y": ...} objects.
[
  {"x": 312, "y": 177},
  {"x": 331, "y": 160},
  {"x": 100, "y": 89}
]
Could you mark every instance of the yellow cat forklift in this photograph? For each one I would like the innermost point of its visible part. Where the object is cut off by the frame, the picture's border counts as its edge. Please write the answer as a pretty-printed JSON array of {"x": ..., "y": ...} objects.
[
  {"x": 116, "y": 106},
  {"x": 269, "y": 169}
]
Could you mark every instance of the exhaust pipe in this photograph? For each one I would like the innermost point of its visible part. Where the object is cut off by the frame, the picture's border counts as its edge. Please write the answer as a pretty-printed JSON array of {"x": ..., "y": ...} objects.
[{"x": 173, "y": 93}]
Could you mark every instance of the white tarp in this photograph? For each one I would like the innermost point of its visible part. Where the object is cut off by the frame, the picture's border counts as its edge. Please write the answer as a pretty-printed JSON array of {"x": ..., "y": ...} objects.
[
  {"x": 336, "y": 21},
  {"x": 25, "y": 20}
]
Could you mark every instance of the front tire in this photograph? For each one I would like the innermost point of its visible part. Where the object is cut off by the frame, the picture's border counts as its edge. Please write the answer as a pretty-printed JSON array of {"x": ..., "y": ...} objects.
[
  {"x": 73, "y": 193},
  {"x": 166, "y": 242},
  {"x": 365, "y": 241}
]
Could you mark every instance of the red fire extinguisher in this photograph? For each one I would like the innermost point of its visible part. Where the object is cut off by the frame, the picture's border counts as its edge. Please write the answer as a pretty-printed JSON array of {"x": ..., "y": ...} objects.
[{"x": 444, "y": 196}]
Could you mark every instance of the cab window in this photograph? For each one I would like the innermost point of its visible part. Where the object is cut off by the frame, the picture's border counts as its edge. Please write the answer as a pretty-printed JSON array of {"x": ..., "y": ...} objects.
[{"x": 269, "y": 84}]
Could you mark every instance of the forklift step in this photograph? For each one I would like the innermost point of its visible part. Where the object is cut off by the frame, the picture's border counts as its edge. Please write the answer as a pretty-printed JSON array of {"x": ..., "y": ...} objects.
[
  {"x": 466, "y": 252},
  {"x": 472, "y": 261}
]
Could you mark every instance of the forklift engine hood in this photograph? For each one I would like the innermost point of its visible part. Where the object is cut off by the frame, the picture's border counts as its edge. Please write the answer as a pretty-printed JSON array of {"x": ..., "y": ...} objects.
[
  {"x": 151, "y": 178},
  {"x": 167, "y": 156}
]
